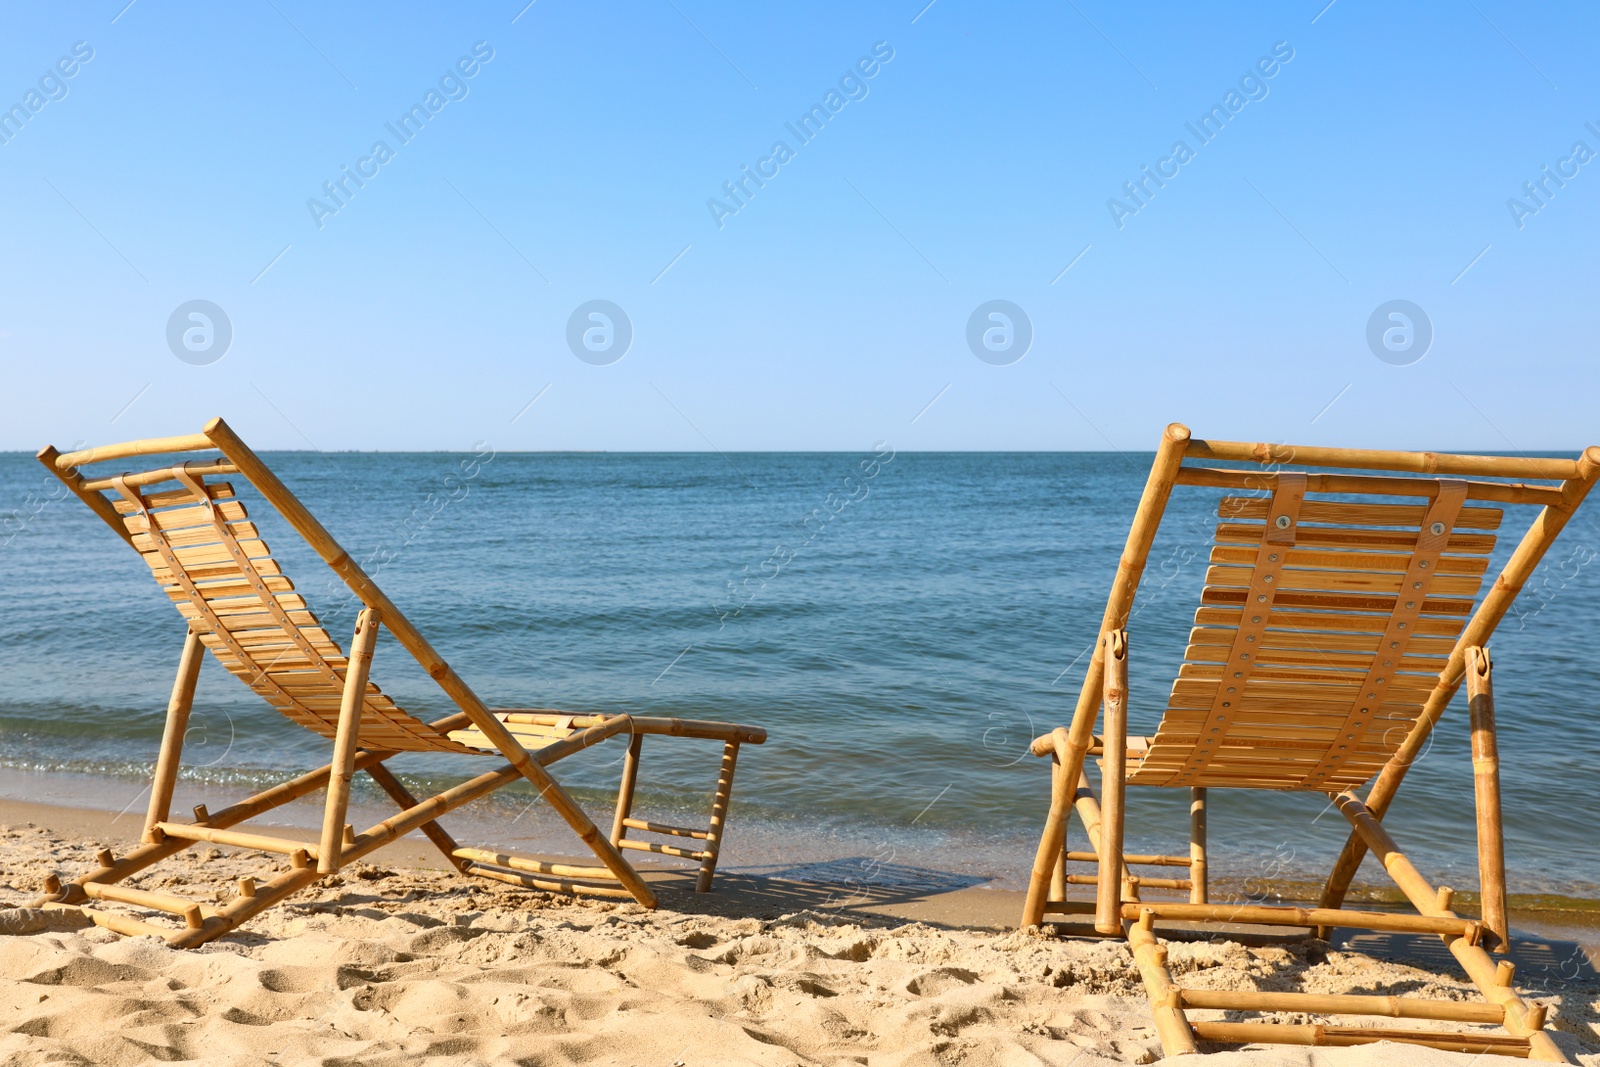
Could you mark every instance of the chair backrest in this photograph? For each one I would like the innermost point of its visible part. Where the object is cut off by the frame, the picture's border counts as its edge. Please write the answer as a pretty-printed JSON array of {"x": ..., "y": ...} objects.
[
  {"x": 193, "y": 531},
  {"x": 1337, "y": 607},
  {"x": 1322, "y": 630}
]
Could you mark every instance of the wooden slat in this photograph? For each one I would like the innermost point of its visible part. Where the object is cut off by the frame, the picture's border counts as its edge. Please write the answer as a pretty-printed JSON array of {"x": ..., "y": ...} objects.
[
  {"x": 168, "y": 497},
  {"x": 209, "y": 574},
  {"x": 1337, "y": 537},
  {"x": 1213, "y": 597},
  {"x": 1313, "y": 657},
  {"x": 1225, "y": 577},
  {"x": 1323, "y": 641},
  {"x": 1236, "y": 508},
  {"x": 1329, "y": 559},
  {"x": 1316, "y": 679},
  {"x": 180, "y": 518},
  {"x": 190, "y": 536},
  {"x": 258, "y": 619},
  {"x": 1314, "y": 621}
]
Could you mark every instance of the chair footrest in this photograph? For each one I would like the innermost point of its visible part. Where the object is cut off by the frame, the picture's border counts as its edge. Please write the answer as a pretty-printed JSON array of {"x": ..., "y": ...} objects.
[
  {"x": 1136, "y": 860},
  {"x": 663, "y": 828},
  {"x": 511, "y": 861},
  {"x": 1134, "y": 879},
  {"x": 192, "y": 912},
  {"x": 1318, "y": 1034},
  {"x": 236, "y": 839},
  {"x": 1344, "y": 1004},
  {"x": 553, "y": 884},
  {"x": 665, "y": 850}
]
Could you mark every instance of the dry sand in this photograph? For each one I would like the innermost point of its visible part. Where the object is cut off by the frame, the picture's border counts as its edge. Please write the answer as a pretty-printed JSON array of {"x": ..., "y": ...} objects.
[{"x": 393, "y": 965}]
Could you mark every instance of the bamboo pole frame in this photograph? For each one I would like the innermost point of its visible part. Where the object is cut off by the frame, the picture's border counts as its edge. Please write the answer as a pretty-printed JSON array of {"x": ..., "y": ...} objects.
[
  {"x": 1108, "y": 887},
  {"x": 1520, "y": 1019},
  {"x": 1345, "y": 1036},
  {"x": 720, "y": 800},
  {"x": 69, "y": 476},
  {"x": 1370, "y": 485},
  {"x": 346, "y": 741},
  {"x": 1172, "y": 1027},
  {"x": 1486, "y": 792},
  {"x": 1198, "y": 884},
  {"x": 1130, "y": 568},
  {"x": 630, "y": 778},
  {"x": 179, "y": 706},
  {"x": 1344, "y": 1004},
  {"x": 1434, "y": 463}
]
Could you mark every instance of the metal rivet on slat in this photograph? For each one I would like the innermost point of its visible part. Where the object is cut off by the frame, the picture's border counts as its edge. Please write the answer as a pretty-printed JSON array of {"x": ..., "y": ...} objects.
[
  {"x": 1238, "y": 674},
  {"x": 1227, "y": 704},
  {"x": 1400, "y": 626},
  {"x": 1255, "y": 618},
  {"x": 1422, "y": 564},
  {"x": 1415, "y": 585},
  {"x": 1251, "y": 637},
  {"x": 1283, "y": 522},
  {"x": 1273, "y": 558},
  {"x": 1261, "y": 598},
  {"x": 1437, "y": 528},
  {"x": 1266, "y": 577}
]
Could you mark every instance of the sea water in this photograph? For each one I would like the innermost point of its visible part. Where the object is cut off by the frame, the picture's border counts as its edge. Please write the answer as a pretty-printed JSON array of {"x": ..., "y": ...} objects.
[{"x": 902, "y": 625}]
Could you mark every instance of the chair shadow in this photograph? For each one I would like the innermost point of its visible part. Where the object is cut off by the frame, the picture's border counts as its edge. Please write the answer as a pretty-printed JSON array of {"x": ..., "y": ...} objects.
[
  {"x": 1545, "y": 966},
  {"x": 854, "y": 889}
]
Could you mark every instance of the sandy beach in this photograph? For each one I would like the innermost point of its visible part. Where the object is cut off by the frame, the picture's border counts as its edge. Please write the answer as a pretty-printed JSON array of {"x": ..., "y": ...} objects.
[{"x": 397, "y": 963}]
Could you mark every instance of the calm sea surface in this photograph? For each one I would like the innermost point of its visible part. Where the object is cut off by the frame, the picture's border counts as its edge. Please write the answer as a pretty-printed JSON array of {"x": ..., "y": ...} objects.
[{"x": 902, "y": 624}]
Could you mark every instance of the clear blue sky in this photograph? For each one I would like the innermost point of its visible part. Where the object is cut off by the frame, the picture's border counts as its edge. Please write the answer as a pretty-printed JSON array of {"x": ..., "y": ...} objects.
[{"x": 576, "y": 164}]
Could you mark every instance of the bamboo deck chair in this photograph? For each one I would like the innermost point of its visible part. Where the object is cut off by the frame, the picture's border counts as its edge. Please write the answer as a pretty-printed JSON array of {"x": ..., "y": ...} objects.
[
  {"x": 192, "y": 530},
  {"x": 1330, "y": 638}
]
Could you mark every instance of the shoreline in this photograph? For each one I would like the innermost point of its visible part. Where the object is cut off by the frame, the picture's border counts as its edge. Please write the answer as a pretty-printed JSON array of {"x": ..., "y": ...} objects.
[{"x": 942, "y": 903}]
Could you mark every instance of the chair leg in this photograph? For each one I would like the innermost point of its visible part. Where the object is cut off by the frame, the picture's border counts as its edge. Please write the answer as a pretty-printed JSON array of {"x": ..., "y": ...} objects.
[
  {"x": 1197, "y": 846},
  {"x": 719, "y": 816},
  {"x": 1172, "y": 1025},
  {"x": 1109, "y": 888},
  {"x": 1053, "y": 839},
  {"x": 1486, "y": 783},
  {"x": 178, "y": 708},
  {"x": 1058, "y": 876},
  {"x": 329, "y": 855},
  {"x": 630, "y": 778},
  {"x": 1521, "y": 1020}
]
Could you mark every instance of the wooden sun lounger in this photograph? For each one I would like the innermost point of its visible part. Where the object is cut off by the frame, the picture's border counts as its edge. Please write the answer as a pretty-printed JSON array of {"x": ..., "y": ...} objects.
[
  {"x": 208, "y": 557},
  {"x": 1331, "y": 635}
]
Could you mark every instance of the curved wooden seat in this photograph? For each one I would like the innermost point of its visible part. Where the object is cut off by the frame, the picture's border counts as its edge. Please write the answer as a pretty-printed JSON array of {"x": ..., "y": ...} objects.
[
  {"x": 210, "y": 561},
  {"x": 1318, "y": 643}
]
